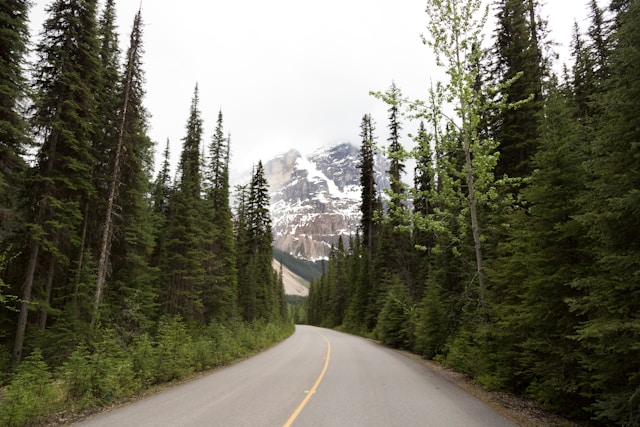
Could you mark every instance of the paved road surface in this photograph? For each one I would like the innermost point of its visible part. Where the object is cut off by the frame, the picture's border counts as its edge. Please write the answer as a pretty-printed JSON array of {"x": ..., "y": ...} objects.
[{"x": 317, "y": 377}]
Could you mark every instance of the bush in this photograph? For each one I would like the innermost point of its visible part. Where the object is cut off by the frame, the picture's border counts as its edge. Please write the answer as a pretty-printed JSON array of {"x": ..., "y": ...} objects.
[
  {"x": 31, "y": 395},
  {"x": 396, "y": 322},
  {"x": 175, "y": 350},
  {"x": 77, "y": 378},
  {"x": 114, "y": 377},
  {"x": 144, "y": 357}
]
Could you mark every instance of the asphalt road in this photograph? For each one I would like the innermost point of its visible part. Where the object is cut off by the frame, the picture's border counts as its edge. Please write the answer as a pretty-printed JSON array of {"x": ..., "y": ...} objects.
[{"x": 317, "y": 377}]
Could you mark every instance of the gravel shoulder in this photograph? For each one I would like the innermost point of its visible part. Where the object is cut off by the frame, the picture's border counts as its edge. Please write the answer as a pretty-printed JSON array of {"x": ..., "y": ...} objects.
[{"x": 522, "y": 411}]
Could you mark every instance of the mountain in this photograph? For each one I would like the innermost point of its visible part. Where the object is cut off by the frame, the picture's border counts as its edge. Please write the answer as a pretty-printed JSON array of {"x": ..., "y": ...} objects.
[
  {"x": 316, "y": 198},
  {"x": 293, "y": 284}
]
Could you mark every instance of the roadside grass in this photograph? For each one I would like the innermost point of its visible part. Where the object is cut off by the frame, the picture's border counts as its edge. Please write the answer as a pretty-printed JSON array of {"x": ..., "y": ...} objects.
[{"x": 108, "y": 372}]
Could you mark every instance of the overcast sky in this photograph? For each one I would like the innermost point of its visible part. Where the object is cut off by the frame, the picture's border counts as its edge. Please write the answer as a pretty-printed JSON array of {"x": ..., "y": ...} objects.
[{"x": 286, "y": 73}]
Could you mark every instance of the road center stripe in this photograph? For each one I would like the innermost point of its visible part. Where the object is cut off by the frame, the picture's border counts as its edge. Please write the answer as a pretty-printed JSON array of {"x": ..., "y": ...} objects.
[{"x": 311, "y": 392}]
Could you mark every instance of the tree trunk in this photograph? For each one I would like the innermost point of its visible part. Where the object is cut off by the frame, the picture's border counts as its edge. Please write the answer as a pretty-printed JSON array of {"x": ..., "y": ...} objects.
[
  {"x": 107, "y": 233},
  {"x": 27, "y": 287},
  {"x": 475, "y": 228},
  {"x": 48, "y": 289}
]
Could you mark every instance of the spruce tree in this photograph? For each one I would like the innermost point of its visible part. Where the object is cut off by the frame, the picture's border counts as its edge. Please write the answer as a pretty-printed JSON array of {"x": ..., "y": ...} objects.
[
  {"x": 13, "y": 92},
  {"x": 259, "y": 292},
  {"x": 132, "y": 298},
  {"x": 65, "y": 81},
  {"x": 518, "y": 63},
  {"x": 611, "y": 294},
  {"x": 367, "y": 181},
  {"x": 182, "y": 265},
  {"x": 220, "y": 294}
]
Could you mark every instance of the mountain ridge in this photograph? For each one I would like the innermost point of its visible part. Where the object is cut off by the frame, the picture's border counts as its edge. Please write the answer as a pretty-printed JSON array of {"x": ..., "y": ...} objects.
[{"x": 315, "y": 198}]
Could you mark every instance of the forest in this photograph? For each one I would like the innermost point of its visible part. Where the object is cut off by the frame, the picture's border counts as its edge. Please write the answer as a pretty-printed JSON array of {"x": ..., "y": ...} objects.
[
  {"x": 513, "y": 256},
  {"x": 113, "y": 280}
]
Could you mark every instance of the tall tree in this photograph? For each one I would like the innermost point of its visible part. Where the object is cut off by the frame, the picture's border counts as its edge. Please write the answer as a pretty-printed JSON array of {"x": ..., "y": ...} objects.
[
  {"x": 393, "y": 98},
  {"x": 182, "y": 265},
  {"x": 13, "y": 92},
  {"x": 259, "y": 294},
  {"x": 66, "y": 77},
  {"x": 113, "y": 133},
  {"x": 367, "y": 181},
  {"x": 520, "y": 69},
  {"x": 611, "y": 294},
  {"x": 455, "y": 29},
  {"x": 130, "y": 243},
  {"x": 220, "y": 295}
]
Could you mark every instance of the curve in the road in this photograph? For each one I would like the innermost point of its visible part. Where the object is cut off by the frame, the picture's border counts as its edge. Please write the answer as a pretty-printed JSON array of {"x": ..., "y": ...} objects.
[{"x": 311, "y": 392}]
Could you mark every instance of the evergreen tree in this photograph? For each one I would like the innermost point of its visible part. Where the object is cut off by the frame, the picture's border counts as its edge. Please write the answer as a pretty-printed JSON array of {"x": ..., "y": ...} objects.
[
  {"x": 534, "y": 352},
  {"x": 520, "y": 69},
  {"x": 393, "y": 98},
  {"x": 220, "y": 295},
  {"x": 66, "y": 77},
  {"x": 425, "y": 188},
  {"x": 259, "y": 293},
  {"x": 182, "y": 265},
  {"x": 161, "y": 196},
  {"x": 103, "y": 143},
  {"x": 132, "y": 298},
  {"x": 611, "y": 294},
  {"x": 13, "y": 92},
  {"x": 367, "y": 181}
]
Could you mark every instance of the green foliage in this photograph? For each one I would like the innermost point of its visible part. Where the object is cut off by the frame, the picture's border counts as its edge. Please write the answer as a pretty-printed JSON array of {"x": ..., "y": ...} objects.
[
  {"x": 77, "y": 376},
  {"x": 98, "y": 377},
  {"x": 434, "y": 325},
  {"x": 397, "y": 319},
  {"x": 144, "y": 359},
  {"x": 536, "y": 291},
  {"x": 175, "y": 351},
  {"x": 31, "y": 395},
  {"x": 306, "y": 269}
]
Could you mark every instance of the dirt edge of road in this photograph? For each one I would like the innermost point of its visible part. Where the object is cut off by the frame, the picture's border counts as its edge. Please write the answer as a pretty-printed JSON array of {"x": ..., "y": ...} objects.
[{"x": 523, "y": 412}]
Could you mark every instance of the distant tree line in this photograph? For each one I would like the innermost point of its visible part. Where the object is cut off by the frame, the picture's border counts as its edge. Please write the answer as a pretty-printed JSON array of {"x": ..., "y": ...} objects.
[
  {"x": 514, "y": 256},
  {"x": 95, "y": 253}
]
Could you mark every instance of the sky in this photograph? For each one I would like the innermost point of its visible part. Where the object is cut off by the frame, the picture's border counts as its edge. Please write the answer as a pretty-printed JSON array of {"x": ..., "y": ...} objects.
[{"x": 286, "y": 73}]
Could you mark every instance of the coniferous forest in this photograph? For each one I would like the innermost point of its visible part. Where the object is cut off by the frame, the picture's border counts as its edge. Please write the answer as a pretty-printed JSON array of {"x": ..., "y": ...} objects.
[
  {"x": 113, "y": 280},
  {"x": 514, "y": 256}
]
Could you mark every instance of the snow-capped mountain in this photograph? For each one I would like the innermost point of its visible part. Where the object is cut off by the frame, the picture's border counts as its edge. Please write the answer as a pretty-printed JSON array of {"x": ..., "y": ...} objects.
[{"x": 316, "y": 198}]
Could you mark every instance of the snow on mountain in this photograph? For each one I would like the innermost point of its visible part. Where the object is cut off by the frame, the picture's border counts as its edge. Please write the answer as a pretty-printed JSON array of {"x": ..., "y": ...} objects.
[{"x": 315, "y": 198}]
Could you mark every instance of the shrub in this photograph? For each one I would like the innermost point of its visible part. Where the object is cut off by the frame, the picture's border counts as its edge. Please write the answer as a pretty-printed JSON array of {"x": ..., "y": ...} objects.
[
  {"x": 175, "y": 351},
  {"x": 31, "y": 395}
]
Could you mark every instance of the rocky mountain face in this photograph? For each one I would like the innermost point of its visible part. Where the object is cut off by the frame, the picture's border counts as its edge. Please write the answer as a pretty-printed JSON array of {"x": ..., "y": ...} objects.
[{"x": 316, "y": 198}]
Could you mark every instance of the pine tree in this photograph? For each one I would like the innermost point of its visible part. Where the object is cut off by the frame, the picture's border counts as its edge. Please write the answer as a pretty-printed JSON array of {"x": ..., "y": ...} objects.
[
  {"x": 182, "y": 265},
  {"x": 132, "y": 297},
  {"x": 519, "y": 64},
  {"x": 611, "y": 294},
  {"x": 220, "y": 295},
  {"x": 93, "y": 208},
  {"x": 66, "y": 78},
  {"x": 533, "y": 351},
  {"x": 393, "y": 98},
  {"x": 259, "y": 292},
  {"x": 367, "y": 181},
  {"x": 13, "y": 92},
  {"x": 161, "y": 196},
  {"x": 423, "y": 205}
]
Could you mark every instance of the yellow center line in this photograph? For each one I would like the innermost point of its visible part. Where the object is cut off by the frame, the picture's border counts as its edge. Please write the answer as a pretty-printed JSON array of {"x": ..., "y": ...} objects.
[{"x": 302, "y": 404}]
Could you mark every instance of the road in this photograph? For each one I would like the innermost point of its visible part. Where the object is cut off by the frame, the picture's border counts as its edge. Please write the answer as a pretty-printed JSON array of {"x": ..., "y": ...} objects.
[{"x": 317, "y": 377}]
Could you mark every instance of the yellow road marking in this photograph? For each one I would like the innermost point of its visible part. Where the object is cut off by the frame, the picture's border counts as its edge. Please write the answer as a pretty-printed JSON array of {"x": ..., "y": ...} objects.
[{"x": 311, "y": 392}]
